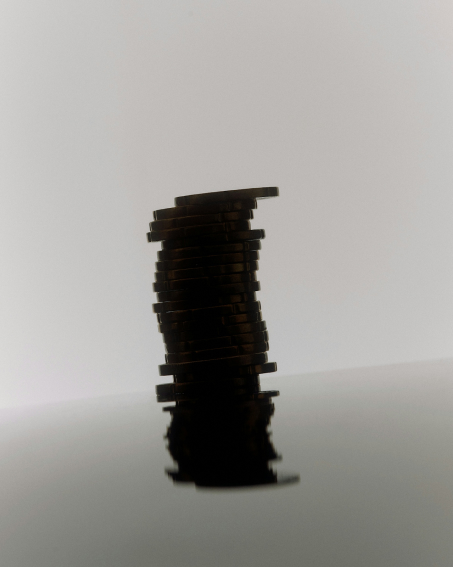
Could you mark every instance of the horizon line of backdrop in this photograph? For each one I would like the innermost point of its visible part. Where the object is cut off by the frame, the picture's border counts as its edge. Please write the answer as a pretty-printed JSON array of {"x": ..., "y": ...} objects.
[{"x": 110, "y": 109}]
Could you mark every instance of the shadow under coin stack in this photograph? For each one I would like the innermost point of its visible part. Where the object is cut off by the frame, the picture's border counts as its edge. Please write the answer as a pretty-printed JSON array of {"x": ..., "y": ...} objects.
[{"x": 208, "y": 314}]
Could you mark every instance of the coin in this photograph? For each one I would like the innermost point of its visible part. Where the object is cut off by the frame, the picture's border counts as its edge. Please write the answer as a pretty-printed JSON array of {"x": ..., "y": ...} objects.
[
  {"x": 172, "y": 358},
  {"x": 200, "y": 282},
  {"x": 204, "y": 230},
  {"x": 214, "y": 325},
  {"x": 192, "y": 324},
  {"x": 212, "y": 365},
  {"x": 197, "y": 251},
  {"x": 207, "y": 282},
  {"x": 209, "y": 301},
  {"x": 197, "y": 324},
  {"x": 205, "y": 271},
  {"x": 196, "y": 220},
  {"x": 228, "y": 289},
  {"x": 200, "y": 261},
  {"x": 233, "y": 195},
  {"x": 209, "y": 208},
  {"x": 213, "y": 239},
  {"x": 245, "y": 370},
  {"x": 217, "y": 342},
  {"x": 209, "y": 312},
  {"x": 209, "y": 332}
]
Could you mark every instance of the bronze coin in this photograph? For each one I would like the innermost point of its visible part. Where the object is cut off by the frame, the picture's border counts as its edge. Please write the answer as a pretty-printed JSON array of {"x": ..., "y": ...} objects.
[
  {"x": 233, "y": 195},
  {"x": 217, "y": 342},
  {"x": 209, "y": 312},
  {"x": 208, "y": 250},
  {"x": 212, "y": 365}
]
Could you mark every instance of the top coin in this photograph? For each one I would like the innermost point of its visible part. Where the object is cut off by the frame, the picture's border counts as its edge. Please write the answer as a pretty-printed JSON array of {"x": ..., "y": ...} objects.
[{"x": 233, "y": 195}]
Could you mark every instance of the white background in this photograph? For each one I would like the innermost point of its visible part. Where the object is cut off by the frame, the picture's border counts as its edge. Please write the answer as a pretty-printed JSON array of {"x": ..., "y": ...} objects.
[{"x": 110, "y": 109}]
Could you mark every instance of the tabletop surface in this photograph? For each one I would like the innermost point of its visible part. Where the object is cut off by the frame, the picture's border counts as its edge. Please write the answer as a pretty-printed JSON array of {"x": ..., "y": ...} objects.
[{"x": 368, "y": 452}]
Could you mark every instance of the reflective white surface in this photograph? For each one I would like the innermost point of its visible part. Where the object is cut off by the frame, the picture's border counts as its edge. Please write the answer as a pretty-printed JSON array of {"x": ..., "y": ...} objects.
[{"x": 82, "y": 484}]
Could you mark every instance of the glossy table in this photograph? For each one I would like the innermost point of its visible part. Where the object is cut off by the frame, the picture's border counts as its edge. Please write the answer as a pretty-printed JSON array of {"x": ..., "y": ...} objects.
[{"x": 83, "y": 484}]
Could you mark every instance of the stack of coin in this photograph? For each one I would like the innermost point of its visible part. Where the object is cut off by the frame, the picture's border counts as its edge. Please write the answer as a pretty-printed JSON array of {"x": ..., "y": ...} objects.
[{"x": 206, "y": 284}]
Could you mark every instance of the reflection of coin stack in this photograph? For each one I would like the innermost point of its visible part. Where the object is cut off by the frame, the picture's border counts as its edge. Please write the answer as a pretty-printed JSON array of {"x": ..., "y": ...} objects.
[
  {"x": 206, "y": 285},
  {"x": 221, "y": 444}
]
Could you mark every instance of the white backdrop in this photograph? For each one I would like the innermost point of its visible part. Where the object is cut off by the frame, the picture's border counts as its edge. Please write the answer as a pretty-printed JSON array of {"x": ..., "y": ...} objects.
[{"x": 110, "y": 109}]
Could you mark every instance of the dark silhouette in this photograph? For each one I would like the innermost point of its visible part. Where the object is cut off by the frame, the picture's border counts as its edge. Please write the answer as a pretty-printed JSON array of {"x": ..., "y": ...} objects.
[{"x": 215, "y": 338}]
